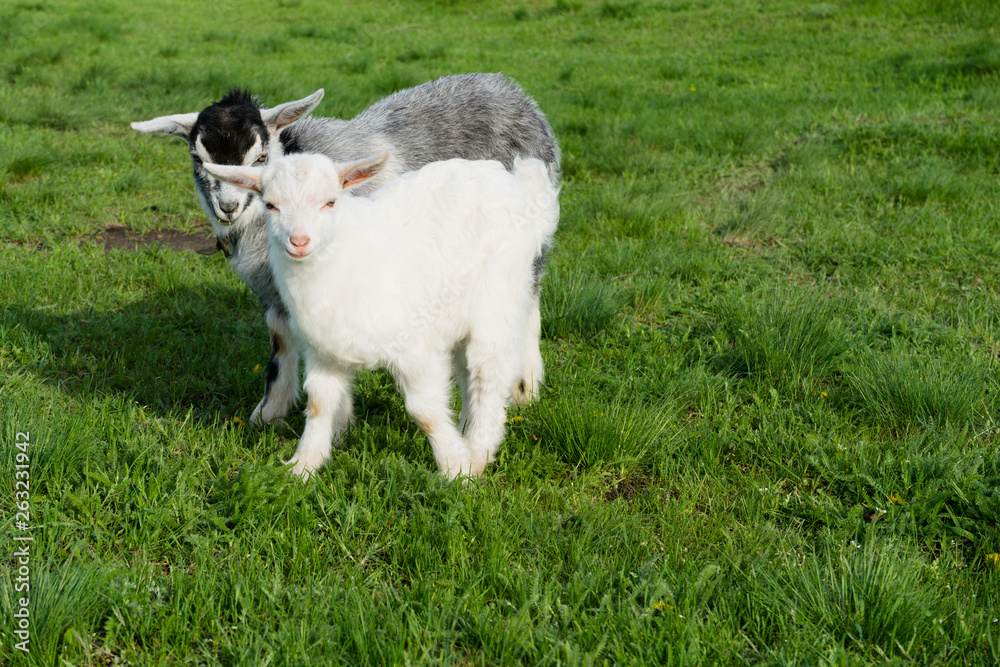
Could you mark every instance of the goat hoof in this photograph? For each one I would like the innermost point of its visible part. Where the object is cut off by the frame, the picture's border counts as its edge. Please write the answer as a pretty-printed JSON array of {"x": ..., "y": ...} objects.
[
  {"x": 524, "y": 393},
  {"x": 300, "y": 469},
  {"x": 257, "y": 417}
]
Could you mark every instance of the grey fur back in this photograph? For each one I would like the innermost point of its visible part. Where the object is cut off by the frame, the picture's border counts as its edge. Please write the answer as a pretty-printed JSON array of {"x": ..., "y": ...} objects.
[{"x": 471, "y": 116}]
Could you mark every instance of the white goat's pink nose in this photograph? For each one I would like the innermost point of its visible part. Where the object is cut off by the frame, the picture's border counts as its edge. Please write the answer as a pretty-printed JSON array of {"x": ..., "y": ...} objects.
[{"x": 299, "y": 239}]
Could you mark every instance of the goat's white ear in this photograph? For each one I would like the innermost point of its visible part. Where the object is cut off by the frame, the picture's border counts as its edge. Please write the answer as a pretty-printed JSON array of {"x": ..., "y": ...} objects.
[
  {"x": 354, "y": 173},
  {"x": 178, "y": 125},
  {"x": 247, "y": 178},
  {"x": 285, "y": 114}
]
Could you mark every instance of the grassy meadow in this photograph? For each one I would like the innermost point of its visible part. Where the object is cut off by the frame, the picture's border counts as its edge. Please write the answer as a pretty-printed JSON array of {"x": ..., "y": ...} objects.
[{"x": 769, "y": 432}]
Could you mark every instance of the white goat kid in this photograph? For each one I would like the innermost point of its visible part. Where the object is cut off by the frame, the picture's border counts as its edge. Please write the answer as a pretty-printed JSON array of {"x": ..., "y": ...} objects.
[{"x": 429, "y": 277}]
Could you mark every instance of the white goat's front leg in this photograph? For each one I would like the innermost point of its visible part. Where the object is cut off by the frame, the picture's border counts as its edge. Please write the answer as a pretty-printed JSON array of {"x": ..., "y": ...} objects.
[
  {"x": 329, "y": 409},
  {"x": 281, "y": 380},
  {"x": 533, "y": 374},
  {"x": 427, "y": 390}
]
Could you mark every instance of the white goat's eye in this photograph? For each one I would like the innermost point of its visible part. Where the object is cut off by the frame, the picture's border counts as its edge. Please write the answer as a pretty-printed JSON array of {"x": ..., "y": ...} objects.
[
  {"x": 270, "y": 206},
  {"x": 331, "y": 203}
]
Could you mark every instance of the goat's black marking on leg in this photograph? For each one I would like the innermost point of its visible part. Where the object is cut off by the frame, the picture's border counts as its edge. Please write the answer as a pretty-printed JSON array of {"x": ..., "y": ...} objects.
[
  {"x": 271, "y": 375},
  {"x": 520, "y": 386}
]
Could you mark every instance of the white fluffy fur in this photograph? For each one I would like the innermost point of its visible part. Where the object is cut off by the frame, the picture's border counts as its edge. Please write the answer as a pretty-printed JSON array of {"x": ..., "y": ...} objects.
[{"x": 429, "y": 277}]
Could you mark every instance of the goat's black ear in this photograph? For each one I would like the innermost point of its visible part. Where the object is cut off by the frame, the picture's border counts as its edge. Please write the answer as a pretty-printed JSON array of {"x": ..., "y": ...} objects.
[
  {"x": 358, "y": 172},
  {"x": 178, "y": 125}
]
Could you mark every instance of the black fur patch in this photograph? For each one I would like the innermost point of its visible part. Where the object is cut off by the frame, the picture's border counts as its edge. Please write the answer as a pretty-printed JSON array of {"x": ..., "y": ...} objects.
[
  {"x": 240, "y": 96},
  {"x": 271, "y": 374},
  {"x": 290, "y": 141},
  {"x": 230, "y": 127}
]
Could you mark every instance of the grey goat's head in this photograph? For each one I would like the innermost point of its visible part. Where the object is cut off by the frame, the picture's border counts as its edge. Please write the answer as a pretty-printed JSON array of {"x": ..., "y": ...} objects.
[{"x": 237, "y": 131}]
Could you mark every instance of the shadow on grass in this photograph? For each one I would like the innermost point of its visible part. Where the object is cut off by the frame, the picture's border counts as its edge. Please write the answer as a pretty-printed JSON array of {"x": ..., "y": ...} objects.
[{"x": 182, "y": 350}]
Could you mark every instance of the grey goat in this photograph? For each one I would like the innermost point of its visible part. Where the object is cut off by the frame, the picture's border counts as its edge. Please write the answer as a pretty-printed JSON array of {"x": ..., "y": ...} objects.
[{"x": 470, "y": 116}]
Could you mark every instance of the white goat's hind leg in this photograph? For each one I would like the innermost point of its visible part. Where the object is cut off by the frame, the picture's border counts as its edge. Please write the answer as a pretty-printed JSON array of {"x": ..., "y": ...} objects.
[
  {"x": 489, "y": 383},
  {"x": 328, "y": 412},
  {"x": 427, "y": 392},
  {"x": 281, "y": 381},
  {"x": 533, "y": 374}
]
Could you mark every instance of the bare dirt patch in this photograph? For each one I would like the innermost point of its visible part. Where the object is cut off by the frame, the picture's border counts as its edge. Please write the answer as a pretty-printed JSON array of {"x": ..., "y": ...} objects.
[
  {"x": 117, "y": 237},
  {"x": 626, "y": 488}
]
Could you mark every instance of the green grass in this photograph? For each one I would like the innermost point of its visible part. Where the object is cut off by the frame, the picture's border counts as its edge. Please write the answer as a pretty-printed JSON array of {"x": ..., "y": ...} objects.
[
  {"x": 590, "y": 432},
  {"x": 768, "y": 433}
]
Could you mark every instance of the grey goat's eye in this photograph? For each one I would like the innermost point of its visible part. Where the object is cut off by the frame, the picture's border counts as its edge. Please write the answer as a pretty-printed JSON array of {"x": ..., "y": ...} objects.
[{"x": 259, "y": 161}]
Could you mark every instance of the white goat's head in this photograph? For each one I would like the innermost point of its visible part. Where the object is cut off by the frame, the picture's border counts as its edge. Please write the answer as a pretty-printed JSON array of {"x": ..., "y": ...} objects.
[{"x": 300, "y": 192}]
